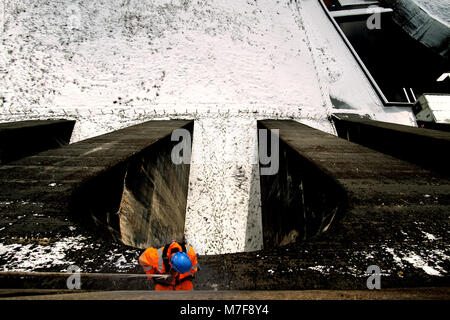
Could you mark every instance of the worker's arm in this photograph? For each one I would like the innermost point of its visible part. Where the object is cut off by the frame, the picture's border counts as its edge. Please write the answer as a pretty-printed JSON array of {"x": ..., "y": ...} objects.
[{"x": 149, "y": 260}]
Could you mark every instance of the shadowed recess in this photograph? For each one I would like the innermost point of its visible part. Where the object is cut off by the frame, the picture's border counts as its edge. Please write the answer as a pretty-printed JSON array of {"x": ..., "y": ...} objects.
[{"x": 300, "y": 201}]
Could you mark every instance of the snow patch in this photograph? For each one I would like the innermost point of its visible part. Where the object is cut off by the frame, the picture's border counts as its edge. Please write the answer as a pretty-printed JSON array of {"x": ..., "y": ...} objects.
[
  {"x": 429, "y": 236},
  {"x": 321, "y": 269},
  {"x": 427, "y": 261},
  {"x": 33, "y": 256}
]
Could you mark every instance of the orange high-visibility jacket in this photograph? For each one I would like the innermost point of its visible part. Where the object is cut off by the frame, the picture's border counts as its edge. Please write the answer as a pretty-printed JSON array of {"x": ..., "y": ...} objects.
[{"x": 152, "y": 260}]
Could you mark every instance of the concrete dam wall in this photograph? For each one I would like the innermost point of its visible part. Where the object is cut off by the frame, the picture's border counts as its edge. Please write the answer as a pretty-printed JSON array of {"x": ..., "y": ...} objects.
[
  {"x": 334, "y": 208},
  {"x": 421, "y": 25}
]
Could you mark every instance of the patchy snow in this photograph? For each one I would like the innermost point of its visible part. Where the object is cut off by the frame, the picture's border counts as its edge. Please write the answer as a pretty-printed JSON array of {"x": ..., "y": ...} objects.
[
  {"x": 31, "y": 256},
  {"x": 418, "y": 262},
  {"x": 396, "y": 258},
  {"x": 429, "y": 236},
  {"x": 321, "y": 269},
  {"x": 119, "y": 261},
  {"x": 428, "y": 261},
  {"x": 409, "y": 253},
  {"x": 43, "y": 253}
]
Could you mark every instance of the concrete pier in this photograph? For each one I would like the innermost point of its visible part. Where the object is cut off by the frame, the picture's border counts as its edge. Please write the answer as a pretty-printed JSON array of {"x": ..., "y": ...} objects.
[
  {"x": 25, "y": 138},
  {"x": 223, "y": 210},
  {"x": 366, "y": 190},
  {"x": 122, "y": 184},
  {"x": 424, "y": 147}
]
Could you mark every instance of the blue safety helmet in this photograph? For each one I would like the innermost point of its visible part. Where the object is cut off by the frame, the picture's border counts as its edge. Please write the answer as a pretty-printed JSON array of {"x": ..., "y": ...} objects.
[{"x": 181, "y": 262}]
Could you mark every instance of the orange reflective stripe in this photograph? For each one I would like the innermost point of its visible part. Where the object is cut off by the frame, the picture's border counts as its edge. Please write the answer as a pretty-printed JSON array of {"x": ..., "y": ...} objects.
[
  {"x": 160, "y": 259},
  {"x": 140, "y": 261},
  {"x": 147, "y": 268}
]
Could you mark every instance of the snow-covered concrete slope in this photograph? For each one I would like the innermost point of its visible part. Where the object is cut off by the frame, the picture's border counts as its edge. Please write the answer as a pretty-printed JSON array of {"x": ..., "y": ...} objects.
[
  {"x": 174, "y": 55},
  {"x": 92, "y": 53},
  {"x": 112, "y": 63}
]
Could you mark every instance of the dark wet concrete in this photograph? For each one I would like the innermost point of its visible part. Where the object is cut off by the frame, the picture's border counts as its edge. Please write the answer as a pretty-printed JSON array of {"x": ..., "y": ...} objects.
[
  {"x": 25, "y": 138},
  {"x": 421, "y": 146},
  {"x": 389, "y": 205},
  {"x": 389, "y": 294}
]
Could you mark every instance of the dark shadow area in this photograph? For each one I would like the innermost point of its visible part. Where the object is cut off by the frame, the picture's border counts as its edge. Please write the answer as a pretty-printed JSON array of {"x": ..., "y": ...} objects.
[
  {"x": 25, "y": 138},
  {"x": 434, "y": 125},
  {"x": 395, "y": 60},
  {"x": 421, "y": 146}
]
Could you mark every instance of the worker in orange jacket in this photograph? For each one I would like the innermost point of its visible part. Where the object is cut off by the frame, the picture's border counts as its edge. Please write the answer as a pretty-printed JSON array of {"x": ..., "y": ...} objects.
[{"x": 178, "y": 260}]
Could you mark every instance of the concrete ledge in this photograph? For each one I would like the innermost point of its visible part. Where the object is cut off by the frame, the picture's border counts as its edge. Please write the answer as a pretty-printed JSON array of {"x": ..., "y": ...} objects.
[
  {"x": 385, "y": 294},
  {"x": 301, "y": 200},
  {"x": 424, "y": 147},
  {"x": 368, "y": 186},
  {"x": 25, "y": 138}
]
